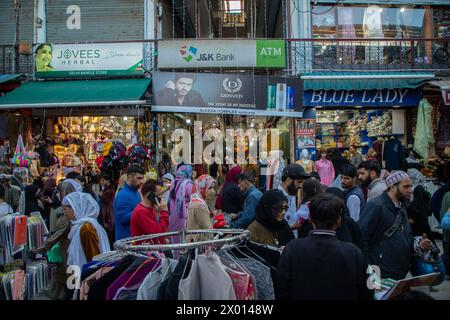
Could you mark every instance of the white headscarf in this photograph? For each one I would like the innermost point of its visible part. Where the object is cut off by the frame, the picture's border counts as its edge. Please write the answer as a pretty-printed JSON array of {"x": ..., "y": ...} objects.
[{"x": 86, "y": 210}]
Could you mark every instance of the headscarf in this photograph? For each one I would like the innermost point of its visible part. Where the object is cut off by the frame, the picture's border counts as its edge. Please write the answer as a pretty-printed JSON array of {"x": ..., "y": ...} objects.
[
  {"x": 264, "y": 209},
  {"x": 86, "y": 210},
  {"x": 31, "y": 203},
  {"x": 201, "y": 185},
  {"x": 69, "y": 186},
  {"x": 232, "y": 175},
  {"x": 49, "y": 186},
  {"x": 266, "y": 216},
  {"x": 168, "y": 176},
  {"x": 178, "y": 189}
]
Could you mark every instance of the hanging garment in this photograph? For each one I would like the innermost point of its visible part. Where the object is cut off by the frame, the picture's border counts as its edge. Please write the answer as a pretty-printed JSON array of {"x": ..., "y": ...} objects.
[
  {"x": 20, "y": 230},
  {"x": 424, "y": 137},
  {"x": 393, "y": 154},
  {"x": 168, "y": 289},
  {"x": 207, "y": 280},
  {"x": 85, "y": 285},
  {"x": 149, "y": 287},
  {"x": 325, "y": 169}
]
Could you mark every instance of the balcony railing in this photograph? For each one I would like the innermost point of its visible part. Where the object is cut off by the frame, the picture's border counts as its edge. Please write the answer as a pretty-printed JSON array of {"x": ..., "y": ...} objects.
[
  {"x": 305, "y": 55},
  {"x": 11, "y": 62},
  {"x": 369, "y": 54}
]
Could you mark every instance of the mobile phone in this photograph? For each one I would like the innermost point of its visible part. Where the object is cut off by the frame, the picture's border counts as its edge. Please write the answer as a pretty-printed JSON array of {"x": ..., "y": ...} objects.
[{"x": 153, "y": 198}]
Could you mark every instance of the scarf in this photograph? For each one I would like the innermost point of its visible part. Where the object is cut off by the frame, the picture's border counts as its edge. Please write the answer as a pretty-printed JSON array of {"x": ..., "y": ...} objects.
[
  {"x": 201, "y": 186},
  {"x": 86, "y": 211},
  {"x": 178, "y": 189}
]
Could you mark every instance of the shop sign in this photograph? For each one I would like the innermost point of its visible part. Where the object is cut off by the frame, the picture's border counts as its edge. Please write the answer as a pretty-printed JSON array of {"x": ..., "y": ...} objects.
[
  {"x": 221, "y": 53},
  {"x": 366, "y": 98},
  {"x": 226, "y": 94},
  {"x": 88, "y": 60}
]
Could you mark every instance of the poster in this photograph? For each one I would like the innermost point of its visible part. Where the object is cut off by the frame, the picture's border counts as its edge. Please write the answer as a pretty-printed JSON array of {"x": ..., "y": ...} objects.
[{"x": 226, "y": 94}]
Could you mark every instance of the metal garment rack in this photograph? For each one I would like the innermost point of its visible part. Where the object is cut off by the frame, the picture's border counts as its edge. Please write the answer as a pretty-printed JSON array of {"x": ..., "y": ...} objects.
[{"x": 220, "y": 237}]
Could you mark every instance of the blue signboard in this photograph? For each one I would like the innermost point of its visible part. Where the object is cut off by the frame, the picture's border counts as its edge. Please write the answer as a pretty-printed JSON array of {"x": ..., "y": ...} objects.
[{"x": 365, "y": 98}]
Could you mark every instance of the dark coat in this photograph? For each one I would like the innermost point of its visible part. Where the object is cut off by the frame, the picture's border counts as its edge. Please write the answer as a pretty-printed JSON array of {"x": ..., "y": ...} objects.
[
  {"x": 321, "y": 267},
  {"x": 393, "y": 255}
]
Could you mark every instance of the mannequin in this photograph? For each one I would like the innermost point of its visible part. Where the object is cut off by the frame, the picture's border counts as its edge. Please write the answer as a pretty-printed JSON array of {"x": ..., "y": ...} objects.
[
  {"x": 325, "y": 169},
  {"x": 307, "y": 164},
  {"x": 373, "y": 28},
  {"x": 346, "y": 29}
]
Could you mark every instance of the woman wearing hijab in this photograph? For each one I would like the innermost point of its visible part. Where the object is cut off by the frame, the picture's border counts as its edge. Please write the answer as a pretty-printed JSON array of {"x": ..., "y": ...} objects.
[
  {"x": 349, "y": 230},
  {"x": 180, "y": 196},
  {"x": 199, "y": 216},
  {"x": 87, "y": 237},
  {"x": 59, "y": 231},
  {"x": 167, "y": 179},
  {"x": 418, "y": 212},
  {"x": 270, "y": 226},
  {"x": 32, "y": 200},
  {"x": 232, "y": 197}
]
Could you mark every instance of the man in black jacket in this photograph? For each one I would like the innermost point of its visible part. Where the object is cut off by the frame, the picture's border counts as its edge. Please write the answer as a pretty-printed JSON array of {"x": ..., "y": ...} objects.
[
  {"x": 387, "y": 239},
  {"x": 320, "y": 266}
]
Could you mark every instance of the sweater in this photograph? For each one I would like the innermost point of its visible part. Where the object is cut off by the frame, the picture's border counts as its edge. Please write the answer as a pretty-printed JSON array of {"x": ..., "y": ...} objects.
[
  {"x": 125, "y": 202},
  {"x": 146, "y": 220}
]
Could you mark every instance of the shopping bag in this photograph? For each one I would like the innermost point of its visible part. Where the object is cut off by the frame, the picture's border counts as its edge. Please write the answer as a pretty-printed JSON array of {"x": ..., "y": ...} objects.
[{"x": 54, "y": 255}]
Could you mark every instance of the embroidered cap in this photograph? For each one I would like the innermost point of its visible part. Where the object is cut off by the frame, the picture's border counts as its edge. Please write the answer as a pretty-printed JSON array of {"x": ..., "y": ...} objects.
[{"x": 395, "y": 177}]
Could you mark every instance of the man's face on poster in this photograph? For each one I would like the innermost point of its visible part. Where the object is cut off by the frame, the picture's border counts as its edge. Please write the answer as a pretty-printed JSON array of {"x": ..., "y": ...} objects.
[{"x": 184, "y": 86}]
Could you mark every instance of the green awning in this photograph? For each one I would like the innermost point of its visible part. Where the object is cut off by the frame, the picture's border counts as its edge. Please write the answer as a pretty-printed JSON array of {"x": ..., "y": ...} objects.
[
  {"x": 53, "y": 94},
  {"x": 404, "y": 2},
  {"x": 319, "y": 80},
  {"x": 9, "y": 77}
]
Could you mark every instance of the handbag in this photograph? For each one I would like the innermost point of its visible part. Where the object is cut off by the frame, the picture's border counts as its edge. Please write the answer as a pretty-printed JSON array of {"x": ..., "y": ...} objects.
[{"x": 20, "y": 157}]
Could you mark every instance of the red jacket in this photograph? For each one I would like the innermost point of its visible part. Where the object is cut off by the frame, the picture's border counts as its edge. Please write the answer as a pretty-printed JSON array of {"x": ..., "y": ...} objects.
[{"x": 144, "y": 221}]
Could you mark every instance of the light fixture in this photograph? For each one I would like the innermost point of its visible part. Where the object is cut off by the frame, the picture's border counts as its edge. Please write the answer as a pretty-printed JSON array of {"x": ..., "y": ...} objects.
[
  {"x": 358, "y": 107},
  {"x": 402, "y": 9},
  {"x": 395, "y": 106},
  {"x": 188, "y": 121},
  {"x": 125, "y": 118},
  {"x": 381, "y": 10},
  {"x": 252, "y": 124},
  {"x": 17, "y": 114}
]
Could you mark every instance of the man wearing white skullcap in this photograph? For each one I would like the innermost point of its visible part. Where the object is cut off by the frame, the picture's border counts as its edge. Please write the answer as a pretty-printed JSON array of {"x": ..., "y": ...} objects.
[{"x": 386, "y": 234}]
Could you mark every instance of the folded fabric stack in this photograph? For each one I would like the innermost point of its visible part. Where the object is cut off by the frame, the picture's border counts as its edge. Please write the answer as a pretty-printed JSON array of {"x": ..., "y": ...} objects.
[{"x": 379, "y": 126}]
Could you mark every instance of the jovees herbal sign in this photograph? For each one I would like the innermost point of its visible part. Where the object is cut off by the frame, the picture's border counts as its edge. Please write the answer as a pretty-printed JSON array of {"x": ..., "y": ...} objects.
[{"x": 87, "y": 60}]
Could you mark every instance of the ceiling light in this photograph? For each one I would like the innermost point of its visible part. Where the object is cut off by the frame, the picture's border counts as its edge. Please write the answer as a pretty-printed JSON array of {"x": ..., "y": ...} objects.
[
  {"x": 381, "y": 10},
  {"x": 402, "y": 10},
  {"x": 125, "y": 118}
]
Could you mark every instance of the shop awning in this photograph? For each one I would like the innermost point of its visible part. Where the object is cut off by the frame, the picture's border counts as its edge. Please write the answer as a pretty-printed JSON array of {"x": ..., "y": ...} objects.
[
  {"x": 8, "y": 77},
  {"x": 79, "y": 93},
  {"x": 319, "y": 80},
  {"x": 444, "y": 85}
]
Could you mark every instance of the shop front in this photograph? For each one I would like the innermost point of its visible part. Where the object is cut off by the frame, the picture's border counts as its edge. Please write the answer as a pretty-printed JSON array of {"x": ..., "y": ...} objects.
[
  {"x": 75, "y": 119},
  {"x": 358, "y": 117}
]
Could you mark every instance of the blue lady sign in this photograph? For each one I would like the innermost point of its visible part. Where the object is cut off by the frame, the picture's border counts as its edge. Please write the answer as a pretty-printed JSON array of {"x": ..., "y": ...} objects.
[{"x": 365, "y": 98}]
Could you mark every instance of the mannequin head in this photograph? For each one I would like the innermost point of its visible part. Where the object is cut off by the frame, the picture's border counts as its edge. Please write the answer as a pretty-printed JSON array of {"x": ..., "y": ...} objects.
[
  {"x": 305, "y": 154},
  {"x": 323, "y": 154}
]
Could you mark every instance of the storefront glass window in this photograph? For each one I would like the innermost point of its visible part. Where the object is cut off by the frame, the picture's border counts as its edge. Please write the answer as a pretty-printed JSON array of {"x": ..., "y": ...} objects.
[{"x": 367, "y": 22}]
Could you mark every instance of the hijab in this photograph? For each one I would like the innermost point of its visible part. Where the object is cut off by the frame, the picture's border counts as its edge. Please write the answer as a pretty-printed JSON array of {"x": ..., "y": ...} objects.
[
  {"x": 338, "y": 161},
  {"x": 233, "y": 174},
  {"x": 178, "y": 189},
  {"x": 266, "y": 215},
  {"x": 31, "y": 201},
  {"x": 86, "y": 210},
  {"x": 201, "y": 186}
]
